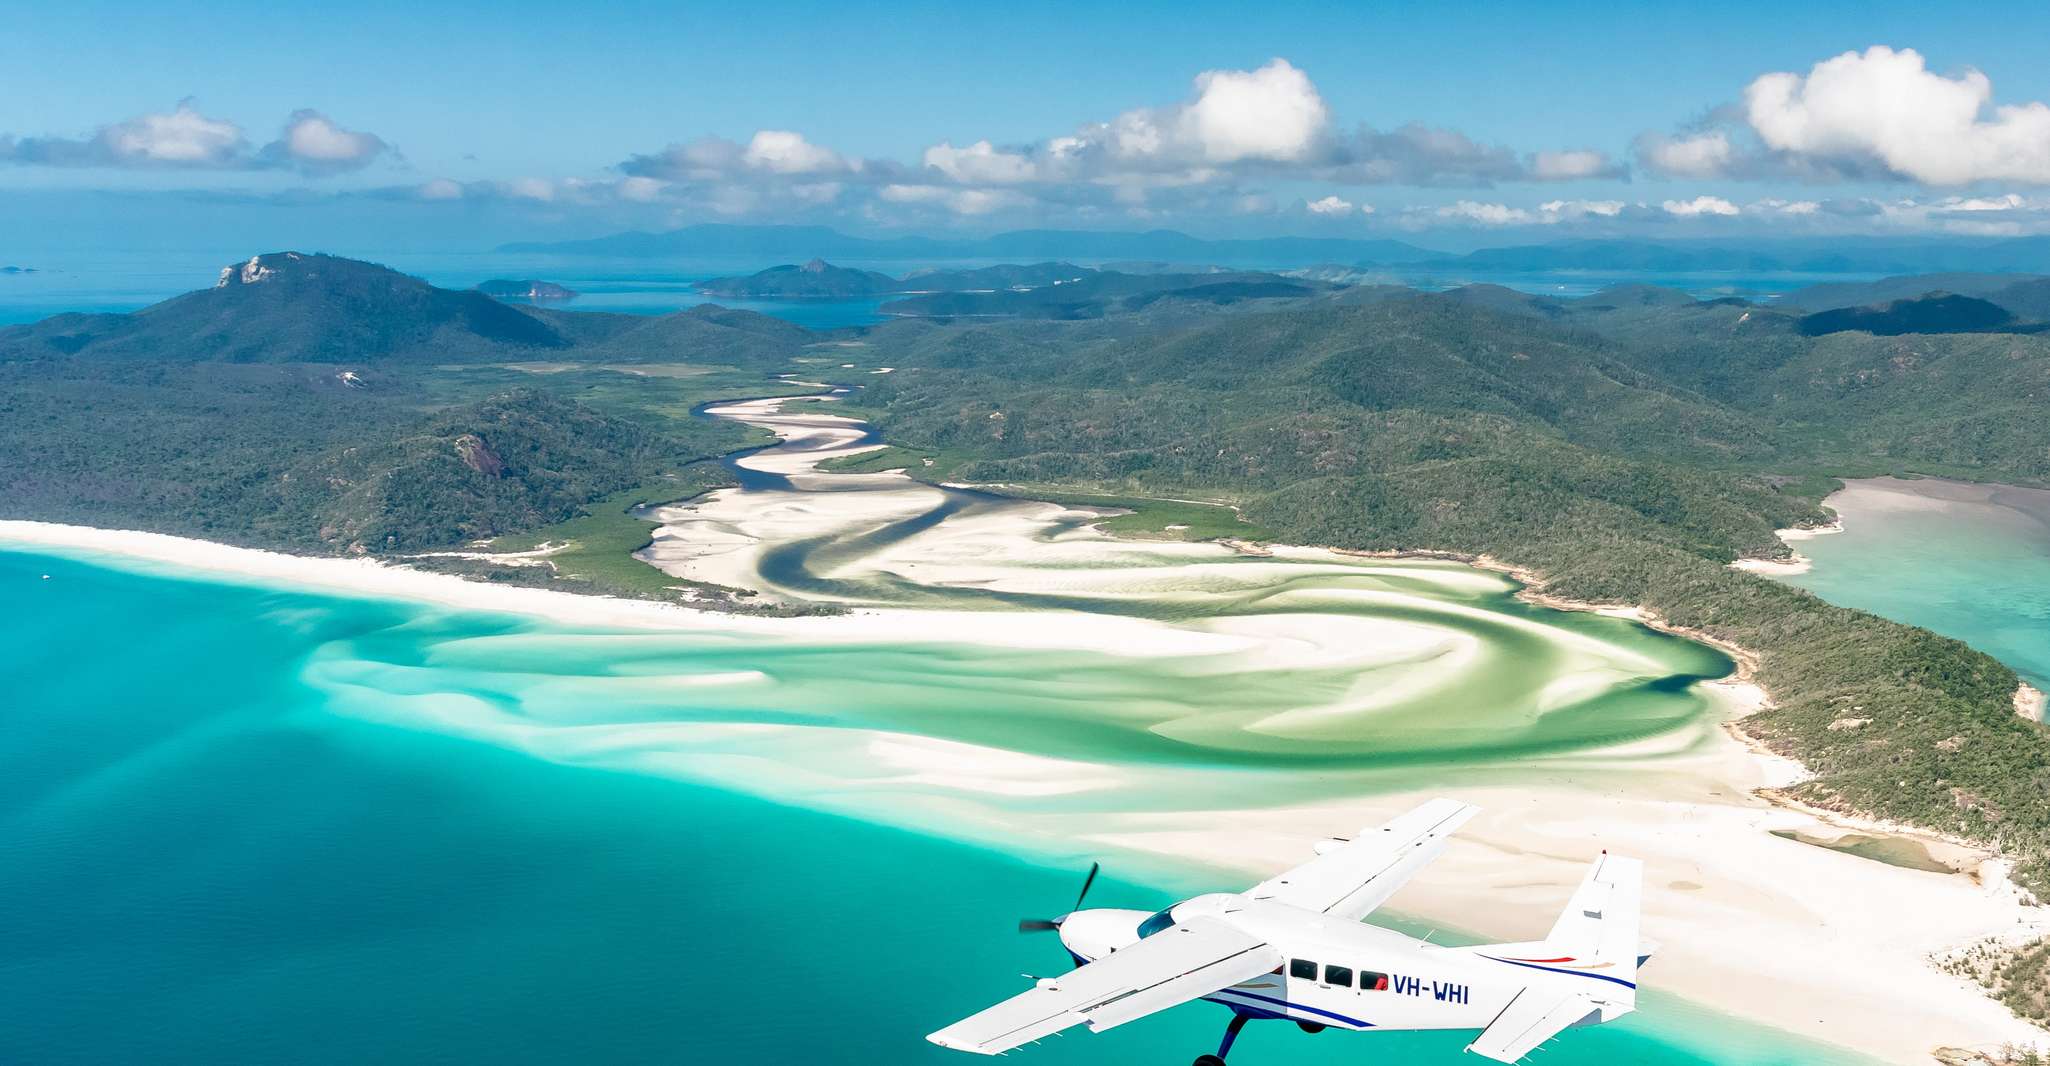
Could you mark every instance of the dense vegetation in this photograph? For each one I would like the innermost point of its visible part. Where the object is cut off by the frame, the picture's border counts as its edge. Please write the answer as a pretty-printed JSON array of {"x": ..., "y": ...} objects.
[
  {"x": 1626, "y": 447},
  {"x": 291, "y": 456},
  {"x": 1938, "y": 312},
  {"x": 325, "y": 405},
  {"x": 1625, "y": 454}
]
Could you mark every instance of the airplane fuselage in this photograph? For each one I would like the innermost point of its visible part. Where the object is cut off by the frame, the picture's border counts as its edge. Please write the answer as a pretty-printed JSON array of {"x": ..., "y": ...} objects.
[{"x": 1349, "y": 975}]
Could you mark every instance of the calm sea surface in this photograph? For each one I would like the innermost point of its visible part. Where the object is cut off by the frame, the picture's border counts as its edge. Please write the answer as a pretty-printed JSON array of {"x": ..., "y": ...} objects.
[
  {"x": 115, "y": 281},
  {"x": 1968, "y": 561}
]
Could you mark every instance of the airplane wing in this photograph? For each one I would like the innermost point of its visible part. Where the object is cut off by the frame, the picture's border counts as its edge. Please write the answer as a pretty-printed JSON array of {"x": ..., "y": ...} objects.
[
  {"x": 1175, "y": 965},
  {"x": 1530, "y": 1019},
  {"x": 1351, "y": 878}
]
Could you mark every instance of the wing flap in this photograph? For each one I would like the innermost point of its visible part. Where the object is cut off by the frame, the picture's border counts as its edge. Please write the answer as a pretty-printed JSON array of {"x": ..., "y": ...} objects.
[
  {"x": 1186, "y": 962},
  {"x": 1529, "y": 1020},
  {"x": 1352, "y": 879}
]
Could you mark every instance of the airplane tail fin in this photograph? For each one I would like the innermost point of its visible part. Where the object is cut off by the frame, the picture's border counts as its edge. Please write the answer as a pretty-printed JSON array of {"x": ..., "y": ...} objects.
[{"x": 1598, "y": 928}]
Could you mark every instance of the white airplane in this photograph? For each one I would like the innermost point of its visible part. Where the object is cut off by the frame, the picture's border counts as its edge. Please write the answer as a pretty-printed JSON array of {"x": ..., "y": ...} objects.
[{"x": 1294, "y": 948}]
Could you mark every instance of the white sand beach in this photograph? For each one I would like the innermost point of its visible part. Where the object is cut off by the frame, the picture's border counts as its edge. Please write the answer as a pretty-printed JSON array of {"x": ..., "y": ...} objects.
[
  {"x": 1795, "y": 563},
  {"x": 1786, "y": 933}
]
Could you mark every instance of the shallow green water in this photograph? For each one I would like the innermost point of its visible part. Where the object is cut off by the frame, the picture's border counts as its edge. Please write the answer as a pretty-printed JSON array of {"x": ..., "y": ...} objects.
[
  {"x": 244, "y": 824},
  {"x": 1965, "y": 561}
]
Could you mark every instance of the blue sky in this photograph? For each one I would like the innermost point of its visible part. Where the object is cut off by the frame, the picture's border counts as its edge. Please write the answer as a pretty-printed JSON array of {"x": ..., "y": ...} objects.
[{"x": 1463, "y": 121}]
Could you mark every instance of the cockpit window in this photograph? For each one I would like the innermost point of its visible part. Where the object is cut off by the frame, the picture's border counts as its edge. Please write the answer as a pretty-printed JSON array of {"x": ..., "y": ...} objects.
[{"x": 1157, "y": 922}]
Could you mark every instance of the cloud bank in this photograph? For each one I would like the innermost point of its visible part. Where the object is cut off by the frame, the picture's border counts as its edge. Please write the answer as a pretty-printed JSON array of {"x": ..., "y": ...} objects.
[
  {"x": 1879, "y": 114},
  {"x": 184, "y": 138}
]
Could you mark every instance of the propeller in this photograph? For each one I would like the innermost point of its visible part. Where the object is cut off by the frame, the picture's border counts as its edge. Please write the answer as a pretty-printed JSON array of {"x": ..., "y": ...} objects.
[{"x": 1047, "y": 925}]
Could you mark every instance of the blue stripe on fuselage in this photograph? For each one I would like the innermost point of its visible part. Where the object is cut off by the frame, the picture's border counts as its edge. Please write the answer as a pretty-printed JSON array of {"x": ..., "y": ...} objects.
[
  {"x": 1285, "y": 1004},
  {"x": 1569, "y": 973}
]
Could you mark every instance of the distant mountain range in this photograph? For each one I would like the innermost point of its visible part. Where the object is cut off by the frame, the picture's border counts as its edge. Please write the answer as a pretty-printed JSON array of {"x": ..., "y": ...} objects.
[
  {"x": 1791, "y": 255},
  {"x": 819, "y": 279},
  {"x": 294, "y": 307},
  {"x": 1795, "y": 256},
  {"x": 808, "y": 242}
]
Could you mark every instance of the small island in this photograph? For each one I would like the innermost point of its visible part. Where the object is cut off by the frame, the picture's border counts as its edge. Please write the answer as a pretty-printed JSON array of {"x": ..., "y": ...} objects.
[
  {"x": 819, "y": 279},
  {"x": 527, "y": 289}
]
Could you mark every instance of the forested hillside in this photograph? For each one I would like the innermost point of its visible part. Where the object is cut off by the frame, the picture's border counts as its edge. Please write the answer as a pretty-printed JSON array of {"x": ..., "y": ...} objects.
[
  {"x": 327, "y": 405},
  {"x": 1626, "y": 455}
]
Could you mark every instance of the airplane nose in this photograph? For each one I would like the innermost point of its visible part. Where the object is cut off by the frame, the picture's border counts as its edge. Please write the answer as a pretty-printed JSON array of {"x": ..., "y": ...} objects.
[{"x": 1092, "y": 934}]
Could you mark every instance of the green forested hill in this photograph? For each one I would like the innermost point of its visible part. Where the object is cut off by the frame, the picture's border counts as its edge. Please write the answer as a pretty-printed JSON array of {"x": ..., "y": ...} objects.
[
  {"x": 1626, "y": 453},
  {"x": 288, "y": 307},
  {"x": 298, "y": 457},
  {"x": 324, "y": 404}
]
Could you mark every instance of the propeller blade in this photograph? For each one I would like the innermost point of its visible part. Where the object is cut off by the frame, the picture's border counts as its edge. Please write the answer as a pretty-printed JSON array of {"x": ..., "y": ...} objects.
[
  {"x": 1086, "y": 882},
  {"x": 1037, "y": 925}
]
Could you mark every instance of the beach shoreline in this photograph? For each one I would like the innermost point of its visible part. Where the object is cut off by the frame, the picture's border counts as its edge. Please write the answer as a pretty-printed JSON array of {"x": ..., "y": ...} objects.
[
  {"x": 1817, "y": 949},
  {"x": 1795, "y": 562}
]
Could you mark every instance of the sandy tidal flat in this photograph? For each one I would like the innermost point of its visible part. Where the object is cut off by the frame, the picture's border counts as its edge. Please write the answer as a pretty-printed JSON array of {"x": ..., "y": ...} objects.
[{"x": 1012, "y": 675}]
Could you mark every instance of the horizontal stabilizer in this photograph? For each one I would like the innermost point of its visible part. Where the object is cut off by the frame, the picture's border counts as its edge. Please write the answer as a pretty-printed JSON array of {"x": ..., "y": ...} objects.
[{"x": 1530, "y": 1019}]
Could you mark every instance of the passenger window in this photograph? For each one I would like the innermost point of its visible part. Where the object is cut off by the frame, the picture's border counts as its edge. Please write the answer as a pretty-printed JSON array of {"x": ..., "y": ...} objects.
[
  {"x": 1338, "y": 975},
  {"x": 1373, "y": 982},
  {"x": 1303, "y": 968}
]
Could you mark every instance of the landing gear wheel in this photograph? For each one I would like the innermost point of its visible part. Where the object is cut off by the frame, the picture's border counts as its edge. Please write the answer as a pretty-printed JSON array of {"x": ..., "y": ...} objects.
[
  {"x": 1208, "y": 1060},
  {"x": 1310, "y": 1027}
]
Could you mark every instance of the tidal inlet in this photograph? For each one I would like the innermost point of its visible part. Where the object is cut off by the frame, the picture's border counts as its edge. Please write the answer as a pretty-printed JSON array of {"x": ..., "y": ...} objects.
[
  {"x": 1969, "y": 561},
  {"x": 1020, "y": 692}
]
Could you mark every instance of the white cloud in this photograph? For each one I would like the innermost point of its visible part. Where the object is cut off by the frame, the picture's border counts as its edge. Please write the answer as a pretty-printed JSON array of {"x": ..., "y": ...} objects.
[
  {"x": 1877, "y": 114},
  {"x": 2010, "y": 202},
  {"x": 1485, "y": 214},
  {"x": 1206, "y": 152},
  {"x": 959, "y": 201},
  {"x": 1558, "y": 210},
  {"x": 1886, "y": 107},
  {"x": 1786, "y": 207},
  {"x": 785, "y": 152},
  {"x": 440, "y": 189},
  {"x": 769, "y": 155},
  {"x": 1270, "y": 113},
  {"x": 1272, "y": 116},
  {"x": 1330, "y": 205},
  {"x": 980, "y": 163},
  {"x": 313, "y": 142},
  {"x": 1575, "y": 165},
  {"x": 1700, "y": 155},
  {"x": 1700, "y": 206},
  {"x": 641, "y": 190},
  {"x": 530, "y": 189},
  {"x": 181, "y": 137}
]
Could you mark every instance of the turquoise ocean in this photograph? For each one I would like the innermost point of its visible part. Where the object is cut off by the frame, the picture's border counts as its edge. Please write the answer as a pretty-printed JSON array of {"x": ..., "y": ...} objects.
[
  {"x": 203, "y": 861},
  {"x": 1971, "y": 562}
]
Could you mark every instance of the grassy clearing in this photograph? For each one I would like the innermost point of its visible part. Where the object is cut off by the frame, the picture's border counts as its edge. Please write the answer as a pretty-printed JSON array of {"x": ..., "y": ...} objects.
[
  {"x": 1153, "y": 517},
  {"x": 602, "y": 541},
  {"x": 1147, "y": 516}
]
